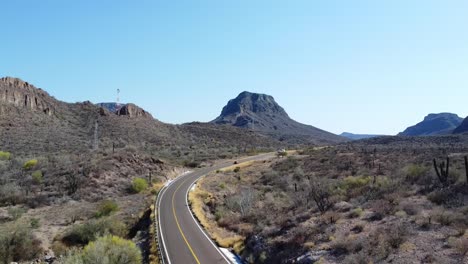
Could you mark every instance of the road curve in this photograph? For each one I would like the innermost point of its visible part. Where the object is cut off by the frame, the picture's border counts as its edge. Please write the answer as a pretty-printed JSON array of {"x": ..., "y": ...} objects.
[{"x": 181, "y": 239}]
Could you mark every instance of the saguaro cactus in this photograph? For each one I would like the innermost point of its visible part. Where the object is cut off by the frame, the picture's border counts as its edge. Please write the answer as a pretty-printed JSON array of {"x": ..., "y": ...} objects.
[
  {"x": 442, "y": 170},
  {"x": 466, "y": 169}
]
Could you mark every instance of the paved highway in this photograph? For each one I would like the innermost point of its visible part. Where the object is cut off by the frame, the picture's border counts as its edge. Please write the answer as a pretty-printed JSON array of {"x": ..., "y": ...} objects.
[{"x": 181, "y": 239}]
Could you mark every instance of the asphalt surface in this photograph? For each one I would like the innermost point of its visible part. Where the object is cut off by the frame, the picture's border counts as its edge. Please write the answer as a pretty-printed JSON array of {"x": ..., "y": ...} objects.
[{"x": 181, "y": 238}]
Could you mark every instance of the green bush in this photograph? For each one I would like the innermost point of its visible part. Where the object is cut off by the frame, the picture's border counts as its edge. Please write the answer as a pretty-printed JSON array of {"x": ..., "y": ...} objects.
[
  {"x": 415, "y": 173},
  {"x": 108, "y": 249},
  {"x": 37, "y": 176},
  {"x": 139, "y": 185},
  {"x": 30, "y": 164},
  {"x": 106, "y": 208},
  {"x": 89, "y": 231},
  {"x": 17, "y": 243},
  {"x": 5, "y": 155},
  {"x": 237, "y": 169},
  {"x": 354, "y": 182},
  {"x": 35, "y": 223}
]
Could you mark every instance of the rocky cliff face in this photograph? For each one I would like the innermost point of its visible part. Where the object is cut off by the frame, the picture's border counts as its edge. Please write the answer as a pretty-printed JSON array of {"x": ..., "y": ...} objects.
[
  {"x": 14, "y": 91},
  {"x": 133, "y": 111}
]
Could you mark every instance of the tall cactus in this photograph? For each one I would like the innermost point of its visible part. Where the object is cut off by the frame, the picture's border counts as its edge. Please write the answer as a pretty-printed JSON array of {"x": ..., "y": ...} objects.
[
  {"x": 443, "y": 173},
  {"x": 466, "y": 169}
]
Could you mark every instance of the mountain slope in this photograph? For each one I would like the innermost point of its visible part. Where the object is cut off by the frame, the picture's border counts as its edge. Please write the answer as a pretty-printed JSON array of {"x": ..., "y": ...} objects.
[
  {"x": 358, "y": 136},
  {"x": 260, "y": 112},
  {"x": 34, "y": 123},
  {"x": 434, "y": 124},
  {"x": 462, "y": 128}
]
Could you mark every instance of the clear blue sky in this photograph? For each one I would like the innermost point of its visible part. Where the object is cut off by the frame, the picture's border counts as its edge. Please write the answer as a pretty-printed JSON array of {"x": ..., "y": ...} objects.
[{"x": 358, "y": 66}]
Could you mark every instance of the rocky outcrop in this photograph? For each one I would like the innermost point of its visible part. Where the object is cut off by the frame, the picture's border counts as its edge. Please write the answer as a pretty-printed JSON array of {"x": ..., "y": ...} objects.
[
  {"x": 133, "y": 111},
  {"x": 14, "y": 91},
  {"x": 260, "y": 112}
]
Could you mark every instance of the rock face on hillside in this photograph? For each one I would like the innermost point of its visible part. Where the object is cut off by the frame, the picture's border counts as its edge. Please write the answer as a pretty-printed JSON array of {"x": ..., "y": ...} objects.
[
  {"x": 260, "y": 112},
  {"x": 434, "y": 124},
  {"x": 112, "y": 107},
  {"x": 133, "y": 111},
  {"x": 462, "y": 128},
  {"x": 14, "y": 91}
]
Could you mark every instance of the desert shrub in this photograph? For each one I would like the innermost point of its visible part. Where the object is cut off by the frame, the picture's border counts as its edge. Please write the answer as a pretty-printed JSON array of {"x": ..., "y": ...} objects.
[
  {"x": 354, "y": 182},
  {"x": 106, "y": 208},
  {"x": 16, "y": 212},
  {"x": 17, "y": 243},
  {"x": 89, "y": 231},
  {"x": 356, "y": 213},
  {"x": 357, "y": 258},
  {"x": 108, "y": 249},
  {"x": 415, "y": 173},
  {"x": 10, "y": 193},
  {"x": 30, "y": 164},
  {"x": 461, "y": 246},
  {"x": 447, "y": 218},
  {"x": 450, "y": 196},
  {"x": 236, "y": 169},
  {"x": 139, "y": 185},
  {"x": 410, "y": 209},
  {"x": 37, "y": 176},
  {"x": 35, "y": 223},
  {"x": 320, "y": 193},
  {"x": 396, "y": 235},
  {"x": 5, "y": 155}
]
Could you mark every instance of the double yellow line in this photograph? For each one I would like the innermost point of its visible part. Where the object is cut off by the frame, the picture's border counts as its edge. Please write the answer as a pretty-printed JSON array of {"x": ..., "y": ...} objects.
[{"x": 178, "y": 225}]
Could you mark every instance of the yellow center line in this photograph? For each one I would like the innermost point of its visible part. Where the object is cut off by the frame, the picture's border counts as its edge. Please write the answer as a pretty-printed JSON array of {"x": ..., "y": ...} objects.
[{"x": 178, "y": 225}]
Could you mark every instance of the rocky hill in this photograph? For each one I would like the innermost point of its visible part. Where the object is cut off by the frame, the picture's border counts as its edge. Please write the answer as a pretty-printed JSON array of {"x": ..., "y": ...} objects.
[
  {"x": 34, "y": 123},
  {"x": 434, "y": 124},
  {"x": 261, "y": 113},
  {"x": 462, "y": 128}
]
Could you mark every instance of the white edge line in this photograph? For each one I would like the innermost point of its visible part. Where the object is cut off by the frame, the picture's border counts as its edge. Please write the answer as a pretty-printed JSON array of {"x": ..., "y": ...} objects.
[
  {"x": 160, "y": 229},
  {"x": 158, "y": 203},
  {"x": 198, "y": 225}
]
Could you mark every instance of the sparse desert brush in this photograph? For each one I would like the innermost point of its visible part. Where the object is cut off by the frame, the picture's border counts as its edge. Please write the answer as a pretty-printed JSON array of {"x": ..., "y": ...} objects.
[
  {"x": 139, "y": 185},
  {"x": 17, "y": 243},
  {"x": 414, "y": 173},
  {"x": 84, "y": 233},
  {"x": 5, "y": 155},
  {"x": 30, "y": 164},
  {"x": 37, "y": 177},
  {"x": 106, "y": 208},
  {"x": 107, "y": 249}
]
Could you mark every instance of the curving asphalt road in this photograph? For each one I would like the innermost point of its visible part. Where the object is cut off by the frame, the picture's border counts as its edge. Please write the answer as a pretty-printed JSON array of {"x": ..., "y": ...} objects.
[{"x": 181, "y": 238}]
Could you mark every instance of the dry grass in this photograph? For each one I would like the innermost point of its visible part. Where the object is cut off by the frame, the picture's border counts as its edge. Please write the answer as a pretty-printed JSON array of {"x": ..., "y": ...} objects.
[
  {"x": 242, "y": 165},
  {"x": 197, "y": 199}
]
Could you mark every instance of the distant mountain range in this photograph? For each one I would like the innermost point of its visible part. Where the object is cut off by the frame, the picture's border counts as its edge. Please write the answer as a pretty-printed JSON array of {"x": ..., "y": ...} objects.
[
  {"x": 358, "y": 136},
  {"x": 261, "y": 113},
  {"x": 434, "y": 124}
]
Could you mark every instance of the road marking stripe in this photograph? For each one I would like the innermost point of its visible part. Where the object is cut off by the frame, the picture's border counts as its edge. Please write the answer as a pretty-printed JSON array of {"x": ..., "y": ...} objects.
[{"x": 178, "y": 225}]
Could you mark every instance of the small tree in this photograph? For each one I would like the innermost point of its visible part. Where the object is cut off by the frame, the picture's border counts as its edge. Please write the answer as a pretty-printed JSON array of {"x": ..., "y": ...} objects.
[{"x": 319, "y": 192}]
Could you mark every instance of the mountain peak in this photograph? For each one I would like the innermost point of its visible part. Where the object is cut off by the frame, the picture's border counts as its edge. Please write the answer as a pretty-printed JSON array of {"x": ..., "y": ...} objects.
[
  {"x": 434, "y": 124},
  {"x": 247, "y": 103},
  {"x": 260, "y": 112}
]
